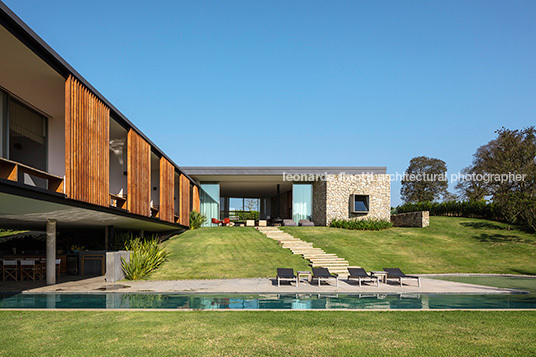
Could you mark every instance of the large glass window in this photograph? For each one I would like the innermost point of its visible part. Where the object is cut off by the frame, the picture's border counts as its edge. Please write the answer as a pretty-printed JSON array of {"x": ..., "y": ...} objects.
[
  {"x": 302, "y": 201},
  {"x": 27, "y": 136},
  {"x": 209, "y": 197},
  {"x": 3, "y": 99}
]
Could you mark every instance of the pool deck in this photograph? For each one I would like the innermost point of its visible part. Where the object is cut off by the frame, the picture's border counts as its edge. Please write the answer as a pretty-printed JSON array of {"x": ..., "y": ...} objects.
[{"x": 254, "y": 286}]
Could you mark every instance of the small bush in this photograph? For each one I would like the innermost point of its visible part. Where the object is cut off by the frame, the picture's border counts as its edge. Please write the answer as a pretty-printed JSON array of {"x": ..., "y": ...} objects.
[
  {"x": 145, "y": 256},
  {"x": 363, "y": 225},
  {"x": 196, "y": 219}
]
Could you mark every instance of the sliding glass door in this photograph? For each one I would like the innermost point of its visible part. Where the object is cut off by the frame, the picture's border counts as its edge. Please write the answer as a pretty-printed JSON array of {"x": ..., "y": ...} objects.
[{"x": 302, "y": 201}]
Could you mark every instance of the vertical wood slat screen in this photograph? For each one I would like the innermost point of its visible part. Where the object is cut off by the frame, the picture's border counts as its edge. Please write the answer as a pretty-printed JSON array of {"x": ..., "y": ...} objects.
[
  {"x": 138, "y": 174},
  {"x": 195, "y": 199},
  {"x": 167, "y": 190},
  {"x": 87, "y": 175},
  {"x": 184, "y": 201}
]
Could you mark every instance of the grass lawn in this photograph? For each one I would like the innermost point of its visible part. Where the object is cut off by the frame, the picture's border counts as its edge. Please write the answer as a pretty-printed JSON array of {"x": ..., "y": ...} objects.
[
  {"x": 448, "y": 245},
  {"x": 225, "y": 253},
  {"x": 24, "y": 333}
]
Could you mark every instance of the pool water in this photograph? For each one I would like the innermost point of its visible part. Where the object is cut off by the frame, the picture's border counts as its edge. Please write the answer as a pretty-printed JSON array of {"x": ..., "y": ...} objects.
[
  {"x": 117, "y": 300},
  {"x": 268, "y": 301}
]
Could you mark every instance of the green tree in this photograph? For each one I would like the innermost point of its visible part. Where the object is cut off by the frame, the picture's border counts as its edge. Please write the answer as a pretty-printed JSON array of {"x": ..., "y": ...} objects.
[
  {"x": 425, "y": 180},
  {"x": 513, "y": 152}
]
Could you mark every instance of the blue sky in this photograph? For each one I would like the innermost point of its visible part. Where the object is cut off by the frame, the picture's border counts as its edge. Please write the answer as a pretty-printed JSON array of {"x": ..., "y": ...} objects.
[{"x": 304, "y": 83}]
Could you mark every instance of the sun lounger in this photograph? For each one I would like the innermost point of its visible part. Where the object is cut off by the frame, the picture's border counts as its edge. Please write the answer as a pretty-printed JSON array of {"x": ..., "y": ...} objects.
[
  {"x": 361, "y": 274},
  {"x": 324, "y": 274},
  {"x": 286, "y": 274},
  {"x": 396, "y": 273}
]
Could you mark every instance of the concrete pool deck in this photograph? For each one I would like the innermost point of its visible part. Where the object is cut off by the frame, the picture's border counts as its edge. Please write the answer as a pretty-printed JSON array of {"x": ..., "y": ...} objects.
[{"x": 255, "y": 286}]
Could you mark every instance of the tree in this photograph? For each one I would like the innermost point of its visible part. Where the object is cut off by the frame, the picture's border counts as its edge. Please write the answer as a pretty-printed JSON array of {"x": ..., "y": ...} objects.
[
  {"x": 507, "y": 167},
  {"x": 425, "y": 180},
  {"x": 471, "y": 190}
]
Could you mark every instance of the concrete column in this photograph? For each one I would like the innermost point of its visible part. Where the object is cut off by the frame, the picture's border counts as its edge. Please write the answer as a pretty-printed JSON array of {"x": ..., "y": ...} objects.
[
  {"x": 106, "y": 238},
  {"x": 51, "y": 251}
]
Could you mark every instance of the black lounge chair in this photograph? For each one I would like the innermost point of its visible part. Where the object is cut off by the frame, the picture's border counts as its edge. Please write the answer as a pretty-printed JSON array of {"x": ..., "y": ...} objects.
[
  {"x": 286, "y": 274},
  {"x": 361, "y": 274},
  {"x": 324, "y": 274},
  {"x": 396, "y": 273}
]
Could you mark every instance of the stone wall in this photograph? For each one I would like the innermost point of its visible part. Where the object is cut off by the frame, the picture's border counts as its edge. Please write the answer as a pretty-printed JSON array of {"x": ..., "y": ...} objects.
[
  {"x": 411, "y": 219},
  {"x": 319, "y": 203},
  {"x": 339, "y": 189}
]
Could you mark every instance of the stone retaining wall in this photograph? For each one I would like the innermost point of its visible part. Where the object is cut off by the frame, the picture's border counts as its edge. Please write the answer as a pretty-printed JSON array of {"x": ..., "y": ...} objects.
[{"x": 419, "y": 219}]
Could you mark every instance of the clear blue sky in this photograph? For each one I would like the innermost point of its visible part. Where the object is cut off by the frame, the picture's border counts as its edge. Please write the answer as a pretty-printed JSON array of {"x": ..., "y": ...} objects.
[{"x": 304, "y": 83}]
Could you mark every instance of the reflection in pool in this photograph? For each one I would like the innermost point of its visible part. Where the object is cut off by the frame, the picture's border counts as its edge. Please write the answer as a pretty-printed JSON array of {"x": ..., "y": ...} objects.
[{"x": 266, "y": 301}]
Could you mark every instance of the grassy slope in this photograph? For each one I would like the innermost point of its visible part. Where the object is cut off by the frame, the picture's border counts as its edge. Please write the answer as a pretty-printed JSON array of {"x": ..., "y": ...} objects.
[
  {"x": 449, "y": 245},
  {"x": 24, "y": 333},
  {"x": 224, "y": 252}
]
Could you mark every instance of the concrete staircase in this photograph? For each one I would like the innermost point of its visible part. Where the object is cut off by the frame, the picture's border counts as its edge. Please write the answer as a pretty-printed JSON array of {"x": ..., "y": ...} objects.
[{"x": 316, "y": 256}]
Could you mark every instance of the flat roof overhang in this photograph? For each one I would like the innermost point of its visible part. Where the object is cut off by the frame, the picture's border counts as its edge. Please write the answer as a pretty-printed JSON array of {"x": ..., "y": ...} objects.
[
  {"x": 262, "y": 181},
  {"x": 195, "y": 171},
  {"x": 26, "y": 207}
]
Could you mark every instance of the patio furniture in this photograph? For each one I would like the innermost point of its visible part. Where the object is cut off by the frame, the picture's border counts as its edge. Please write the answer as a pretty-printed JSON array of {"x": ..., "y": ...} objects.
[
  {"x": 215, "y": 221},
  {"x": 361, "y": 274},
  {"x": 289, "y": 223},
  {"x": 303, "y": 273},
  {"x": 226, "y": 222},
  {"x": 305, "y": 223},
  {"x": 323, "y": 274},
  {"x": 9, "y": 269},
  {"x": 382, "y": 275},
  {"x": 262, "y": 223},
  {"x": 286, "y": 274},
  {"x": 250, "y": 223},
  {"x": 396, "y": 273},
  {"x": 29, "y": 269}
]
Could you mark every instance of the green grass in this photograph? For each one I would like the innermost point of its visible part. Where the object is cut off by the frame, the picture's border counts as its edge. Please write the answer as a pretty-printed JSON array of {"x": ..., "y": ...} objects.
[
  {"x": 448, "y": 245},
  {"x": 32, "y": 333},
  {"x": 224, "y": 253}
]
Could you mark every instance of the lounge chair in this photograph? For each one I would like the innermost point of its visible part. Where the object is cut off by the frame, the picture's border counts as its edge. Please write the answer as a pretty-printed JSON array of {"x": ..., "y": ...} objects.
[
  {"x": 289, "y": 223},
  {"x": 396, "y": 273},
  {"x": 305, "y": 223},
  {"x": 361, "y": 274},
  {"x": 324, "y": 274},
  {"x": 286, "y": 274}
]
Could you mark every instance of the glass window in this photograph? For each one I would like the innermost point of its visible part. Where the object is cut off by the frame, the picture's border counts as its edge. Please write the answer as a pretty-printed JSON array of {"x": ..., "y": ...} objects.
[
  {"x": 27, "y": 136},
  {"x": 3, "y": 99},
  {"x": 209, "y": 196},
  {"x": 302, "y": 201},
  {"x": 361, "y": 203}
]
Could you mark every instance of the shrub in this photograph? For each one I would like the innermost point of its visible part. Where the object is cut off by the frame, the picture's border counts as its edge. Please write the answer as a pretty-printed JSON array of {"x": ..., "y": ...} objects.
[
  {"x": 196, "y": 219},
  {"x": 470, "y": 209},
  {"x": 363, "y": 225},
  {"x": 145, "y": 256}
]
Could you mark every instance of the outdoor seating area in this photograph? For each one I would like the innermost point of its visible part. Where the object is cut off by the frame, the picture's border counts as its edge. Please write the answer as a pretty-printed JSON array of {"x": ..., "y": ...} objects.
[
  {"x": 321, "y": 274},
  {"x": 19, "y": 269}
]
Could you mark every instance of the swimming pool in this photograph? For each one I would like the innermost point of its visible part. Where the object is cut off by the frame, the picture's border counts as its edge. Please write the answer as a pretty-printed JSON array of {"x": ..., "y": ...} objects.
[{"x": 267, "y": 301}]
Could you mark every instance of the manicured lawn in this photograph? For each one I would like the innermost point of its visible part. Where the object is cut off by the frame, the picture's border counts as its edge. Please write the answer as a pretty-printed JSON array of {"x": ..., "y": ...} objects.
[
  {"x": 449, "y": 245},
  {"x": 459, "y": 333},
  {"x": 225, "y": 253}
]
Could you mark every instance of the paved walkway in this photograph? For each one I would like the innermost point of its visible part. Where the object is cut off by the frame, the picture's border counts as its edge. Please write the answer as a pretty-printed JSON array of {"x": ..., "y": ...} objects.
[
  {"x": 265, "y": 285},
  {"x": 316, "y": 256}
]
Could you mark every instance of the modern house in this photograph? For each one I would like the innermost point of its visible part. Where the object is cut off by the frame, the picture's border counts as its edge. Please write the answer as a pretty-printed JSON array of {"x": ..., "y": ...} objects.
[
  {"x": 70, "y": 160},
  {"x": 318, "y": 194}
]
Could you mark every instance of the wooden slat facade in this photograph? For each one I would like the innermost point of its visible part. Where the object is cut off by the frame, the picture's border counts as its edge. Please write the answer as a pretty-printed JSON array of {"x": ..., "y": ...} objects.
[
  {"x": 167, "y": 190},
  {"x": 87, "y": 173},
  {"x": 196, "y": 203},
  {"x": 138, "y": 174},
  {"x": 184, "y": 201}
]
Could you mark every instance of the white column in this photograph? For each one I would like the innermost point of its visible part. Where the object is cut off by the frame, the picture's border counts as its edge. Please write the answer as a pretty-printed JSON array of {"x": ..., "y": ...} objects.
[{"x": 51, "y": 251}]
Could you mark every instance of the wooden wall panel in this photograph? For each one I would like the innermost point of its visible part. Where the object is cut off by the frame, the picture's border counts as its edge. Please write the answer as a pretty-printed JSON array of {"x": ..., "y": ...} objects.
[
  {"x": 167, "y": 190},
  {"x": 184, "y": 200},
  {"x": 195, "y": 199},
  {"x": 86, "y": 145},
  {"x": 138, "y": 174}
]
